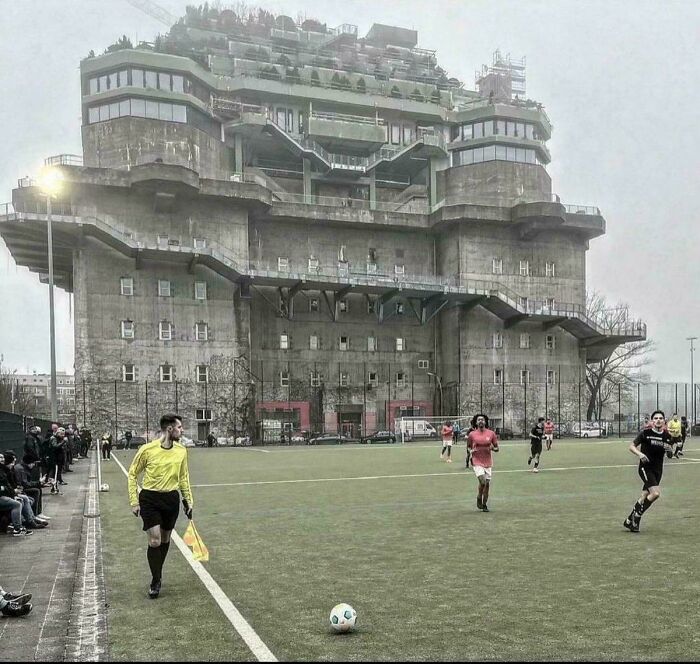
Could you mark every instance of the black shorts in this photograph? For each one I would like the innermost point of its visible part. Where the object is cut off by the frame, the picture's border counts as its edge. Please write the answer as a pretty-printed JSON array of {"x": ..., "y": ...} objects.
[
  {"x": 651, "y": 475},
  {"x": 535, "y": 447},
  {"x": 159, "y": 508}
]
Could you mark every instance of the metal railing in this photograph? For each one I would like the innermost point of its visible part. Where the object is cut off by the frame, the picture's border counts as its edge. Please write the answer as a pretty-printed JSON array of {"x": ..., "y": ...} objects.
[
  {"x": 412, "y": 206},
  {"x": 64, "y": 160},
  {"x": 343, "y": 117},
  {"x": 582, "y": 209}
]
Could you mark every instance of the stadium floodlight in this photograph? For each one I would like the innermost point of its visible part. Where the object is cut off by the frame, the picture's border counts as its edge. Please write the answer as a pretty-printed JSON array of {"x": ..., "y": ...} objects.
[{"x": 50, "y": 182}]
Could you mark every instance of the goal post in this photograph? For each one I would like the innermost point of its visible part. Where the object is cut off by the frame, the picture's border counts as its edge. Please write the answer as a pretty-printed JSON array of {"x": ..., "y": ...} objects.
[{"x": 423, "y": 427}]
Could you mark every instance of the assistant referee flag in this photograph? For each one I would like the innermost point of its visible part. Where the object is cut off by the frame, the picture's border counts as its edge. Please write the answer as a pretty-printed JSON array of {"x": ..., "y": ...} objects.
[{"x": 194, "y": 541}]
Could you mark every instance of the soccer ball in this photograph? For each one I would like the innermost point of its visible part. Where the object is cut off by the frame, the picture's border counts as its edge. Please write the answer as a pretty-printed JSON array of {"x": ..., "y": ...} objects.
[
  {"x": 343, "y": 618},
  {"x": 104, "y": 487}
]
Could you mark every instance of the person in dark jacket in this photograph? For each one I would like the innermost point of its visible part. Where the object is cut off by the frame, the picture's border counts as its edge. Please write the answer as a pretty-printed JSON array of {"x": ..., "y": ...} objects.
[
  {"x": 57, "y": 446},
  {"x": 31, "y": 488},
  {"x": 10, "y": 503},
  {"x": 29, "y": 519},
  {"x": 32, "y": 443},
  {"x": 85, "y": 441}
]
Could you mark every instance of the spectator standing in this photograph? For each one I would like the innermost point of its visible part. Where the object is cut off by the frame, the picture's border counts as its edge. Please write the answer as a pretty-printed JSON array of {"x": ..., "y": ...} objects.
[
  {"x": 57, "y": 445},
  {"x": 31, "y": 488},
  {"x": 85, "y": 441},
  {"x": 106, "y": 447},
  {"x": 32, "y": 443},
  {"x": 211, "y": 439}
]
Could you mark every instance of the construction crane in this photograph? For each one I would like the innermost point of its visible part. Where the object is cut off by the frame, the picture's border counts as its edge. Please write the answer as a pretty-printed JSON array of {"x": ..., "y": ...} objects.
[{"x": 155, "y": 11}]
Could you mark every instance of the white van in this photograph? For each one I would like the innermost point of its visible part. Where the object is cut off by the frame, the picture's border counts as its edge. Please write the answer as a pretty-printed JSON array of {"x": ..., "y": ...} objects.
[{"x": 415, "y": 429}]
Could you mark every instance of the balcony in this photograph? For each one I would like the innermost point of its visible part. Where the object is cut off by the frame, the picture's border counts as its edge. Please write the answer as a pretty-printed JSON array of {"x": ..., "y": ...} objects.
[{"x": 337, "y": 130}]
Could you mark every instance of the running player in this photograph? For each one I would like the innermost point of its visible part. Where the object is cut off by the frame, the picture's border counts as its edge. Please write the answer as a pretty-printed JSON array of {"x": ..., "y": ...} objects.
[
  {"x": 684, "y": 434},
  {"x": 481, "y": 441},
  {"x": 447, "y": 440},
  {"x": 536, "y": 435},
  {"x": 163, "y": 462},
  {"x": 650, "y": 446},
  {"x": 675, "y": 429},
  {"x": 549, "y": 432}
]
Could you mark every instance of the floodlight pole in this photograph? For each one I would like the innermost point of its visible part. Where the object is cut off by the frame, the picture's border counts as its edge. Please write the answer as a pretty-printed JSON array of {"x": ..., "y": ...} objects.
[
  {"x": 52, "y": 321},
  {"x": 692, "y": 382}
]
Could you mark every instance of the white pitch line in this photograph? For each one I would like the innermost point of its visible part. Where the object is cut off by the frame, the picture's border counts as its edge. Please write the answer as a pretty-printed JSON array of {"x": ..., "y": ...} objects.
[
  {"x": 413, "y": 476},
  {"x": 261, "y": 652}
]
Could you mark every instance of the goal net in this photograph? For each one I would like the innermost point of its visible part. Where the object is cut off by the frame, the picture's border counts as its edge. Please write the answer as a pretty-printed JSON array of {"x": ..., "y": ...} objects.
[{"x": 427, "y": 428}]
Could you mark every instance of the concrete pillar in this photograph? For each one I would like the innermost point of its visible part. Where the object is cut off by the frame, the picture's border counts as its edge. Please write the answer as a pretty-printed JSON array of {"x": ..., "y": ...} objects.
[
  {"x": 238, "y": 152},
  {"x": 435, "y": 164},
  {"x": 307, "y": 177},
  {"x": 372, "y": 190}
]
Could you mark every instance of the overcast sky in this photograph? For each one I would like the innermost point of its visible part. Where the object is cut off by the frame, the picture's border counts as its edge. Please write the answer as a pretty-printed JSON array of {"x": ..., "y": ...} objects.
[{"x": 619, "y": 81}]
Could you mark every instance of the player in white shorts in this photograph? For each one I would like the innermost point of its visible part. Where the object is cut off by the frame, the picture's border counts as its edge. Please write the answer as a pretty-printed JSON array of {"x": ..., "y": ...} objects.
[
  {"x": 447, "y": 439},
  {"x": 480, "y": 443}
]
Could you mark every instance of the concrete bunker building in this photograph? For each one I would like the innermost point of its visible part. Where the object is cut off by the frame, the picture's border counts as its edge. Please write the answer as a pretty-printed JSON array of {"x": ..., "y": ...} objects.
[{"x": 282, "y": 222}]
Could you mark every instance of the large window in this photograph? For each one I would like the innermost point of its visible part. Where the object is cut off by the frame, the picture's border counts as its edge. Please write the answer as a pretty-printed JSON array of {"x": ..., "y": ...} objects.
[
  {"x": 495, "y": 153},
  {"x": 139, "y": 108},
  {"x": 126, "y": 286},
  {"x": 165, "y": 331},
  {"x": 202, "y": 373},
  {"x": 201, "y": 332},
  {"x": 167, "y": 373},
  {"x": 128, "y": 373},
  {"x": 127, "y": 329},
  {"x": 200, "y": 290}
]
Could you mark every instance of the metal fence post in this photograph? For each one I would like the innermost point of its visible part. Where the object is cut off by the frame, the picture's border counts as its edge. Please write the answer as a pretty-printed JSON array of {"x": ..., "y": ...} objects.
[
  {"x": 503, "y": 396},
  {"x": 146, "y": 410},
  {"x": 116, "y": 433},
  {"x": 639, "y": 414},
  {"x": 579, "y": 401},
  {"x": 525, "y": 400},
  {"x": 177, "y": 404},
  {"x": 84, "y": 407},
  {"x": 619, "y": 410}
]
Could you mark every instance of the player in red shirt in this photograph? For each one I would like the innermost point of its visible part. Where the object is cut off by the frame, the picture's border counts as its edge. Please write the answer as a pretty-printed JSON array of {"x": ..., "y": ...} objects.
[
  {"x": 447, "y": 440},
  {"x": 549, "y": 432},
  {"x": 480, "y": 443}
]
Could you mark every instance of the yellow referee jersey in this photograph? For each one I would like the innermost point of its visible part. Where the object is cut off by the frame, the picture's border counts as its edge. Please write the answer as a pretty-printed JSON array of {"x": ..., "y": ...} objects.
[
  {"x": 674, "y": 428},
  {"x": 163, "y": 470}
]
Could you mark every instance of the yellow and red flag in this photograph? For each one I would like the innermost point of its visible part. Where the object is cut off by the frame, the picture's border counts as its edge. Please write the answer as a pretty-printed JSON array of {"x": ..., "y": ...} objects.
[{"x": 194, "y": 541}]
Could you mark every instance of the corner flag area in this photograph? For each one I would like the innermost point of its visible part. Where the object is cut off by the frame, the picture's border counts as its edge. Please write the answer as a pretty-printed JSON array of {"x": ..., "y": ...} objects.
[{"x": 549, "y": 573}]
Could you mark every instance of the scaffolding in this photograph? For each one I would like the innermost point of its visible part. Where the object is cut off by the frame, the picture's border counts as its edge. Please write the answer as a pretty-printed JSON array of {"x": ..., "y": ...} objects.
[{"x": 504, "y": 79}]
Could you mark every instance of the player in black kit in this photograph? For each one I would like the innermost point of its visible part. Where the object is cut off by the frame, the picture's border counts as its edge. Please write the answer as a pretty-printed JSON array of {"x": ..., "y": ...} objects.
[
  {"x": 650, "y": 445},
  {"x": 536, "y": 435}
]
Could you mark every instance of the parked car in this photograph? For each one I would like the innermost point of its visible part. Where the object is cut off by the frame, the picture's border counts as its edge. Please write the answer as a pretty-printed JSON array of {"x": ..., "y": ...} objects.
[
  {"x": 415, "y": 429},
  {"x": 329, "y": 439},
  {"x": 299, "y": 437},
  {"x": 187, "y": 442},
  {"x": 379, "y": 437},
  {"x": 589, "y": 432},
  {"x": 135, "y": 442},
  {"x": 504, "y": 433},
  {"x": 242, "y": 441}
]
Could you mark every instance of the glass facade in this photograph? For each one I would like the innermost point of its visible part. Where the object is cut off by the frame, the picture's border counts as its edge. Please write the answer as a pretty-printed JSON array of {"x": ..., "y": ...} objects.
[
  {"x": 495, "y": 153},
  {"x": 485, "y": 128},
  {"x": 138, "y": 108}
]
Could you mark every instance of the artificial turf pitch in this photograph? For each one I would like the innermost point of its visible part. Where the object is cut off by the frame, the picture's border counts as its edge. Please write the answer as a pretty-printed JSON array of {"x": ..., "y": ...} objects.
[{"x": 549, "y": 573}]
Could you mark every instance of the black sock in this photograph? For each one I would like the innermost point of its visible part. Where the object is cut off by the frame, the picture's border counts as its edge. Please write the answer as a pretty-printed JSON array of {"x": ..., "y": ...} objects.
[
  {"x": 164, "y": 546},
  {"x": 155, "y": 561},
  {"x": 443, "y": 450},
  {"x": 646, "y": 505},
  {"x": 638, "y": 509}
]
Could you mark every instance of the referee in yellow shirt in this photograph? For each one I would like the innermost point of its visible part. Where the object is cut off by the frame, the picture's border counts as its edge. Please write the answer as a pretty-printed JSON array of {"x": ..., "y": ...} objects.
[{"x": 163, "y": 463}]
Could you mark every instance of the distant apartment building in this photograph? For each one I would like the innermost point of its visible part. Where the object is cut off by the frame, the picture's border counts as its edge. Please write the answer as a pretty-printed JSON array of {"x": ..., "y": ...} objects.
[
  {"x": 274, "y": 221},
  {"x": 37, "y": 388}
]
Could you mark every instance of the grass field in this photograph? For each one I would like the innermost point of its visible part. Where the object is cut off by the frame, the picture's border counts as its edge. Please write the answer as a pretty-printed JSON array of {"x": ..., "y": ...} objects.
[{"x": 549, "y": 573}]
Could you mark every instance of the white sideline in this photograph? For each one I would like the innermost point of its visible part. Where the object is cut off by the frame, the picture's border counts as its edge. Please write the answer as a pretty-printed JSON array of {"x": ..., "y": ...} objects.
[
  {"x": 398, "y": 477},
  {"x": 261, "y": 652}
]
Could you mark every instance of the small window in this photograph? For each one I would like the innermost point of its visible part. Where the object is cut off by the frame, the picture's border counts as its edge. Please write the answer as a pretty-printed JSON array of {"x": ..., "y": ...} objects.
[
  {"x": 524, "y": 376},
  {"x": 201, "y": 332},
  {"x": 372, "y": 378},
  {"x": 313, "y": 342},
  {"x": 313, "y": 264},
  {"x": 497, "y": 266},
  {"x": 549, "y": 269},
  {"x": 199, "y": 243},
  {"x": 523, "y": 303},
  {"x": 200, "y": 290},
  {"x": 550, "y": 342},
  {"x": 127, "y": 329},
  {"x": 399, "y": 343},
  {"x": 423, "y": 364},
  {"x": 284, "y": 378},
  {"x": 371, "y": 344},
  {"x": 126, "y": 286},
  {"x": 164, "y": 288},
  {"x": 344, "y": 379},
  {"x": 128, "y": 373},
  {"x": 549, "y": 303},
  {"x": 399, "y": 269},
  {"x": 395, "y": 133},
  {"x": 282, "y": 264},
  {"x": 497, "y": 376},
  {"x": 315, "y": 379},
  {"x": 498, "y": 340},
  {"x": 167, "y": 373},
  {"x": 343, "y": 306},
  {"x": 313, "y": 304},
  {"x": 202, "y": 373},
  {"x": 284, "y": 342},
  {"x": 399, "y": 309},
  {"x": 343, "y": 343},
  {"x": 165, "y": 331},
  {"x": 371, "y": 268},
  {"x": 370, "y": 306},
  {"x": 400, "y": 379},
  {"x": 525, "y": 340},
  {"x": 551, "y": 377},
  {"x": 524, "y": 268}
]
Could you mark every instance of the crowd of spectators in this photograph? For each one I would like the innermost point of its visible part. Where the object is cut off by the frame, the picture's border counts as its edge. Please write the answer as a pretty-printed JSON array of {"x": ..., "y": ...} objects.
[{"x": 23, "y": 480}]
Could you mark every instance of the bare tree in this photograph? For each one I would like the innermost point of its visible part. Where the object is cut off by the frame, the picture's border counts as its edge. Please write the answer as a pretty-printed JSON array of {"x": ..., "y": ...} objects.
[
  {"x": 14, "y": 398},
  {"x": 617, "y": 373}
]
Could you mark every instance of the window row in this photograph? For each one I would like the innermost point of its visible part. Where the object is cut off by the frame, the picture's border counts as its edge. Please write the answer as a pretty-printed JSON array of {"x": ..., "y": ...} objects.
[
  {"x": 524, "y": 377},
  {"x": 138, "y": 78},
  {"x": 343, "y": 343},
  {"x": 166, "y": 330},
  {"x": 524, "y": 269},
  {"x": 165, "y": 288},
  {"x": 138, "y": 108},
  {"x": 314, "y": 265},
  {"x": 486, "y": 128},
  {"x": 495, "y": 153},
  {"x": 525, "y": 341},
  {"x": 166, "y": 373},
  {"x": 316, "y": 379}
]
